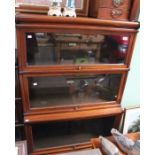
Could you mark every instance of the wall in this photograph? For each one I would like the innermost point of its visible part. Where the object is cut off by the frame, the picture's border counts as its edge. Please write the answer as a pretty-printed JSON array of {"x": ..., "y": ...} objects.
[{"x": 131, "y": 96}]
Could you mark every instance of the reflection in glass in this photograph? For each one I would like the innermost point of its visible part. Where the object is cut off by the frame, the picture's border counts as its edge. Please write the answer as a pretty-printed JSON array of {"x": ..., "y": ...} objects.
[
  {"x": 73, "y": 90},
  {"x": 57, "y": 48}
]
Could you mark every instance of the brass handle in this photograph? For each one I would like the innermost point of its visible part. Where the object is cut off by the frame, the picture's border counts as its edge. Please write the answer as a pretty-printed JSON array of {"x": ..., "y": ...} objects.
[
  {"x": 79, "y": 68},
  {"x": 116, "y": 12},
  {"x": 76, "y": 108},
  {"x": 117, "y": 3}
]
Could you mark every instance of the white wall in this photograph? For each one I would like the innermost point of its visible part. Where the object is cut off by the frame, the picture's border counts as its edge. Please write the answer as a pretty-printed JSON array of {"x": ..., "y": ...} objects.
[{"x": 131, "y": 96}]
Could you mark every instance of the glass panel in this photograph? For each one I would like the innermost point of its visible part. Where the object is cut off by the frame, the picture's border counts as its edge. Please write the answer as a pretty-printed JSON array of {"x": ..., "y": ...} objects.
[
  {"x": 59, "y": 49},
  {"x": 72, "y": 90},
  {"x": 70, "y": 132}
]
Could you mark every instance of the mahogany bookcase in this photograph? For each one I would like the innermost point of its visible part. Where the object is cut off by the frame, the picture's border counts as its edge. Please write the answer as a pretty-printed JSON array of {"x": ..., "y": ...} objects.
[{"x": 72, "y": 75}]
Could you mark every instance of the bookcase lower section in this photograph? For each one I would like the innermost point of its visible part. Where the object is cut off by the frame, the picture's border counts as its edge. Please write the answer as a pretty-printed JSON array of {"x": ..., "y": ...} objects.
[{"x": 68, "y": 135}]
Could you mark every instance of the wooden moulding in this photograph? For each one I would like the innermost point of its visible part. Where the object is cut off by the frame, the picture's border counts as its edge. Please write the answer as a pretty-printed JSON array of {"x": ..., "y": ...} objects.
[
  {"x": 76, "y": 115},
  {"x": 69, "y": 69},
  {"x": 31, "y": 18}
]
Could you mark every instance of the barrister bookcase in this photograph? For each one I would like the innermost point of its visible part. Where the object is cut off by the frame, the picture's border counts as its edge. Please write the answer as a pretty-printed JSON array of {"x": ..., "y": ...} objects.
[{"x": 72, "y": 75}]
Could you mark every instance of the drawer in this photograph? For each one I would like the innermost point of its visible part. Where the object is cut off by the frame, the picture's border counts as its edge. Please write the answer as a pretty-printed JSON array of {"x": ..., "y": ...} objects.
[
  {"x": 114, "y": 3},
  {"x": 96, "y": 4},
  {"x": 117, "y": 14}
]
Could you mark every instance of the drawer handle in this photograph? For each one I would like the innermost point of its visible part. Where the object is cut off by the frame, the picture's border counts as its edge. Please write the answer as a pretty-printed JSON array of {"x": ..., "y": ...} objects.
[
  {"x": 116, "y": 13},
  {"x": 117, "y": 3}
]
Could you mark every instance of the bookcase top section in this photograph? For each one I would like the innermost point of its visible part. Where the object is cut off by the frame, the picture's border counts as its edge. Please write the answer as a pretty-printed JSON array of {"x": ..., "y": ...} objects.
[{"x": 22, "y": 18}]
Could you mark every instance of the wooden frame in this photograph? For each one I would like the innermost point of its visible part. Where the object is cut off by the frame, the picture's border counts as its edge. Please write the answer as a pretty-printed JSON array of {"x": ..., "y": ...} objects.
[
  {"x": 135, "y": 10},
  {"x": 42, "y": 8},
  {"x": 131, "y": 118}
]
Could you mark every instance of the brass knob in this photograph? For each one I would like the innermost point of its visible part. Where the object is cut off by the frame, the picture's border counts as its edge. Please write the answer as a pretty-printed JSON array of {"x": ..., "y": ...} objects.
[
  {"x": 117, "y": 3},
  {"x": 116, "y": 12}
]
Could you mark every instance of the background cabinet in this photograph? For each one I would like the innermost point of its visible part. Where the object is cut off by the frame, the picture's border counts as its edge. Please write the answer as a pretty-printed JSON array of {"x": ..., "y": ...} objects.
[
  {"x": 19, "y": 125},
  {"x": 72, "y": 74}
]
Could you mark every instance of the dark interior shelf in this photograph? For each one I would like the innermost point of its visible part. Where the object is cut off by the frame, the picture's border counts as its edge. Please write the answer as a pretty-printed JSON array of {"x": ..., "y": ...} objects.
[{"x": 70, "y": 132}]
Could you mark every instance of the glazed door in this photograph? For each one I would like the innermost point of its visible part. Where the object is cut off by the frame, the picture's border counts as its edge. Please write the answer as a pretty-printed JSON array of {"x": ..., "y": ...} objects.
[
  {"x": 51, "y": 48},
  {"x": 65, "y": 133},
  {"x": 71, "y": 90}
]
